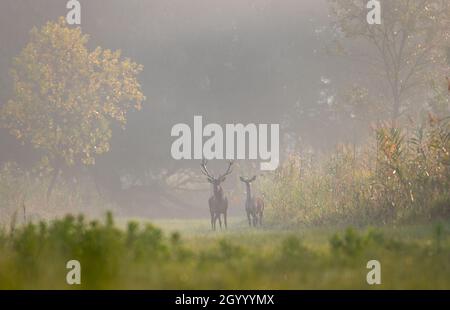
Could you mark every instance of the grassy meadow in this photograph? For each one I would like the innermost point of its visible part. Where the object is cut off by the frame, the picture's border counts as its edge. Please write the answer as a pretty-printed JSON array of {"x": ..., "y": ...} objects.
[
  {"x": 324, "y": 220},
  {"x": 185, "y": 254}
]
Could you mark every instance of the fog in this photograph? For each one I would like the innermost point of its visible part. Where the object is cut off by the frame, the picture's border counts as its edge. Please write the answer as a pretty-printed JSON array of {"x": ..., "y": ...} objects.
[{"x": 234, "y": 61}]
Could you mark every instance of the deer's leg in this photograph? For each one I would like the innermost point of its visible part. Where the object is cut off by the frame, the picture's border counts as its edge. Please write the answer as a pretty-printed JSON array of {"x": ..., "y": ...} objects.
[
  {"x": 249, "y": 219},
  {"x": 213, "y": 226},
  {"x": 225, "y": 219},
  {"x": 215, "y": 220},
  {"x": 220, "y": 220}
]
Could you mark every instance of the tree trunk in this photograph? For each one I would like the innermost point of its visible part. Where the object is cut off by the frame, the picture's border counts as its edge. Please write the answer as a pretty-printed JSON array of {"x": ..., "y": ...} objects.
[
  {"x": 396, "y": 109},
  {"x": 52, "y": 183}
]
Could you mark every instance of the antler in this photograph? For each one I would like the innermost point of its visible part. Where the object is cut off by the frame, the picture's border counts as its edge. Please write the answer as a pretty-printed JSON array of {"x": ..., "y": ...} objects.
[
  {"x": 204, "y": 170},
  {"x": 248, "y": 180},
  {"x": 229, "y": 170}
]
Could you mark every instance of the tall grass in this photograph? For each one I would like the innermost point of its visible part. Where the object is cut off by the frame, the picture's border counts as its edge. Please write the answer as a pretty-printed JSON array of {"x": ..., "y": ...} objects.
[
  {"x": 402, "y": 175},
  {"x": 143, "y": 257},
  {"x": 23, "y": 199}
]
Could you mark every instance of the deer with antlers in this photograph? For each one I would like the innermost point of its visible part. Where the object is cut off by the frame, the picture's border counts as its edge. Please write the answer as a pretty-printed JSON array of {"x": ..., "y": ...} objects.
[
  {"x": 218, "y": 203},
  {"x": 254, "y": 206}
]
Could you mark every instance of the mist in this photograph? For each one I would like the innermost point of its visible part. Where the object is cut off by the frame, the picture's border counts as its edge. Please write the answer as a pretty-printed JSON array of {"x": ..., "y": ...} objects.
[{"x": 229, "y": 61}]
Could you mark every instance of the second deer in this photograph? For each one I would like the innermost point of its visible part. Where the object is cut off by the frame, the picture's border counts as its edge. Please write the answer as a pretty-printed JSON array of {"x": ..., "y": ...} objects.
[{"x": 254, "y": 206}]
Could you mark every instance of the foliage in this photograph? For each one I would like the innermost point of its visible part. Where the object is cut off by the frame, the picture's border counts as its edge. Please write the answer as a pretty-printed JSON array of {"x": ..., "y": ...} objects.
[
  {"x": 34, "y": 256},
  {"x": 66, "y": 98},
  {"x": 403, "y": 176}
]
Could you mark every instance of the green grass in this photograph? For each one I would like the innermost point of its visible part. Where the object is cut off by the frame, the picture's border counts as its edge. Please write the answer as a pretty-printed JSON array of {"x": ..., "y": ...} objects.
[{"x": 186, "y": 254}]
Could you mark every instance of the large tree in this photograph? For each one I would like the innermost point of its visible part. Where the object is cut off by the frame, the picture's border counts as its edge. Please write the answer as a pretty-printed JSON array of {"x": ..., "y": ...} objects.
[
  {"x": 67, "y": 98},
  {"x": 406, "y": 50}
]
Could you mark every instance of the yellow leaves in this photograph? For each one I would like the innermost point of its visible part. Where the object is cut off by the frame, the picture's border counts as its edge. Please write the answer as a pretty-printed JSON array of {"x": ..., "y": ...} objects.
[
  {"x": 138, "y": 106},
  {"x": 65, "y": 96},
  {"x": 17, "y": 133},
  {"x": 389, "y": 150}
]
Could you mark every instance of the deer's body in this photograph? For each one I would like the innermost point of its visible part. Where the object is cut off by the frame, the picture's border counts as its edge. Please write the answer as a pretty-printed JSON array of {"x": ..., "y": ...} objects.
[
  {"x": 218, "y": 203},
  {"x": 254, "y": 206}
]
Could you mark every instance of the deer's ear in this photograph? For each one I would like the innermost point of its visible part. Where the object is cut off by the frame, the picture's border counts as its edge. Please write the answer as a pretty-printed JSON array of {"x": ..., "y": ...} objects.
[
  {"x": 210, "y": 180},
  {"x": 253, "y": 179},
  {"x": 242, "y": 179}
]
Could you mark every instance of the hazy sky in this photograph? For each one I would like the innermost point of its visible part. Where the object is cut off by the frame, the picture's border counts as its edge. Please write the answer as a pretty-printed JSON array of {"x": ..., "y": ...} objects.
[
  {"x": 252, "y": 54},
  {"x": 230, "y": 61}
]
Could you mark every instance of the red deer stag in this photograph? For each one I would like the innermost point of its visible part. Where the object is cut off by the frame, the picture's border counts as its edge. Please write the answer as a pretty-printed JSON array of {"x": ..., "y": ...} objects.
[
  {"x": 254, "y": 206},
  {"x": 218, "y": 203}
]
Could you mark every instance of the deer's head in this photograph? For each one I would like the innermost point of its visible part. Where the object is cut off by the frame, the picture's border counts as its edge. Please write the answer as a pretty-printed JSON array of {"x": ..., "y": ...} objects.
[
  {"x": 216, "y": 181},
  {"x": 248, "y": 180}
]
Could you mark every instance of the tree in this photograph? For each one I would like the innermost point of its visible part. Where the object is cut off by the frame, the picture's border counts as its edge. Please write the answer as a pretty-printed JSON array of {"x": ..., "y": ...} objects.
[
  {"x": 66, "y": 98},
  {"x": 407, "y": 49}
]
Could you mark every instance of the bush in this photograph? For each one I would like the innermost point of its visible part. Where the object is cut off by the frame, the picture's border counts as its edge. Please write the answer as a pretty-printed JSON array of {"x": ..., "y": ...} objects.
[
  {"x": 404, "y": 175},
  {"x": 143, "y": 257}
]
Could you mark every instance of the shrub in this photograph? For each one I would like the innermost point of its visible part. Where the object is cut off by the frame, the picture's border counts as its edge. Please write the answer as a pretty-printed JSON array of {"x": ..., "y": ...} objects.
[{"x": 403, "y": 175}]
